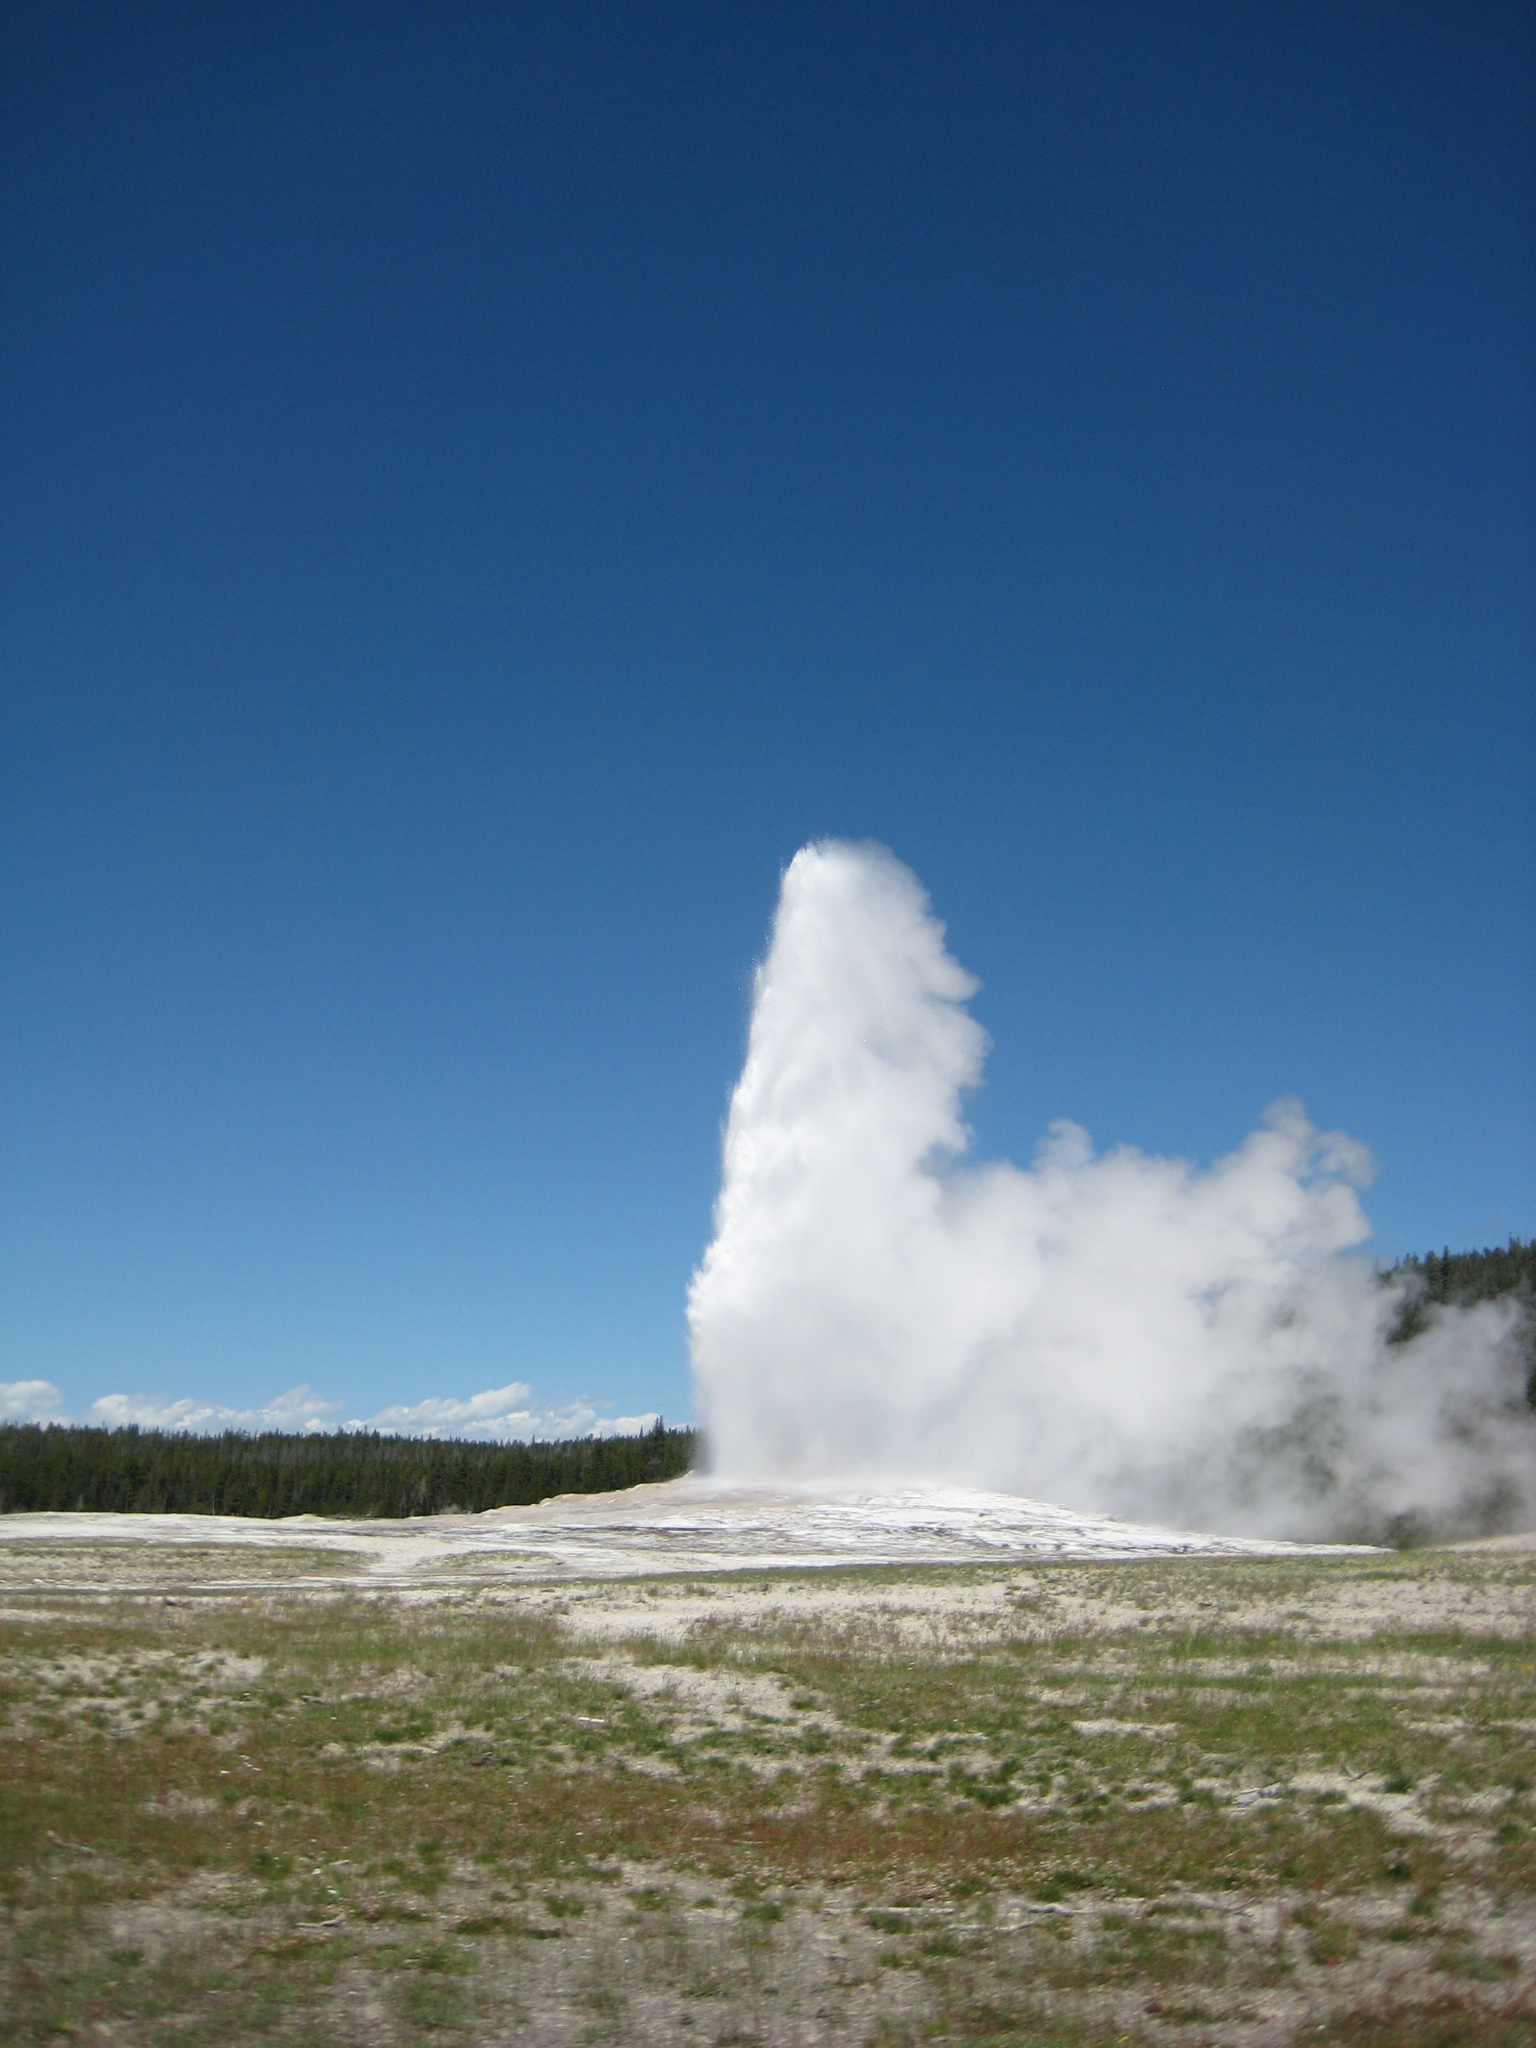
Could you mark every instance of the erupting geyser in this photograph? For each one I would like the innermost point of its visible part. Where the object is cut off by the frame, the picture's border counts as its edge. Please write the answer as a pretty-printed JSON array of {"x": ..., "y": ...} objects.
[{"x": 1109, "y": 1330}]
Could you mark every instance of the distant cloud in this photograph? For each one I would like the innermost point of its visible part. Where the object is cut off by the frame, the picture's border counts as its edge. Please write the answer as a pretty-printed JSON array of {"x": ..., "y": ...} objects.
[
  {"x": 301, "y": 1408},
  {"x": 500, "y": 1414},
  {"x": 30, "y": 1401},
  {"x": 499, "y": 1411}
]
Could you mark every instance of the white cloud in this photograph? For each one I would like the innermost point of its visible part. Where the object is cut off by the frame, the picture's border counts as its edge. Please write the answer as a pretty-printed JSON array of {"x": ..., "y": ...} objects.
[
  {"x": 499, "y": 1415},
  {"x": 30, "y": 1401},
  {"x": 300, "y": 1409},
  {"x": 496, "y": 1415},
  {"x": 498, "y": 1412}
]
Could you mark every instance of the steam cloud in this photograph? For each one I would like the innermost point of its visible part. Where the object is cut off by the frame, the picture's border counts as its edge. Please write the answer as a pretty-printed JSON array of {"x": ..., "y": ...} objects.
[{"x": 1112, "y": 1331}]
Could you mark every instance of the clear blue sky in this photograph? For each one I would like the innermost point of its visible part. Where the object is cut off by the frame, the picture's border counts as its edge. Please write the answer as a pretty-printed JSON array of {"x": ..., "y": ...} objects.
[{"x": 480, "y": 486}]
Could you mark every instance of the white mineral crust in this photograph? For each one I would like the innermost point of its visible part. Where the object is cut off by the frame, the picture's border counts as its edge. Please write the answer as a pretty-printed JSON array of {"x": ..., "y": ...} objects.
[{"x": 685, "y": 1525}]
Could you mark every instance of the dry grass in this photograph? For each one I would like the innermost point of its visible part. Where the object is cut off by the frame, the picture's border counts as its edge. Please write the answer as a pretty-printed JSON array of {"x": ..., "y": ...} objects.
[{"x": 1179, "y": 1801}]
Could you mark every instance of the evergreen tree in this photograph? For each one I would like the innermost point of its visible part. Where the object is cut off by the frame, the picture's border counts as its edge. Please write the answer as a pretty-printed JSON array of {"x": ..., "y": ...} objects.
[{"x": 349, "y": 1473}]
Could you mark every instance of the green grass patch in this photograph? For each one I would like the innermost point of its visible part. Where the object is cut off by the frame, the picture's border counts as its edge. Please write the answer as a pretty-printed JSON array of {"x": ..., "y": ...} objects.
[{"x": 235, "y": 1818}]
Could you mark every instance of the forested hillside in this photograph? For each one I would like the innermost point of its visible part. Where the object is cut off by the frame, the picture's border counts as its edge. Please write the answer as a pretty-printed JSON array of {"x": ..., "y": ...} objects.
[
  {"x": 350, "y": 1473},
  {"x": 1458, "y": 1279}
]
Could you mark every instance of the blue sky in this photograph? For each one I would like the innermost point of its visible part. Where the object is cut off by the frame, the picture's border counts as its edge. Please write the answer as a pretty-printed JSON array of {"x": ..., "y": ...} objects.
[{"x": 480, "y": 487}]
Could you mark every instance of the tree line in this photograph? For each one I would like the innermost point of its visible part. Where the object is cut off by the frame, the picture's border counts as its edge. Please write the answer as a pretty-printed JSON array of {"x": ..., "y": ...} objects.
[
  {"x": 1458, "y": 1279},
  {"x": 347, "y": 1473}
]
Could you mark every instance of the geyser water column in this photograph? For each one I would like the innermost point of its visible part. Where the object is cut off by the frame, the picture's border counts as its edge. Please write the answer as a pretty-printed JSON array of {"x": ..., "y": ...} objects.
[
  {"x": 1119, "y": 1332},
  {"x": 829, "y": 1311}
]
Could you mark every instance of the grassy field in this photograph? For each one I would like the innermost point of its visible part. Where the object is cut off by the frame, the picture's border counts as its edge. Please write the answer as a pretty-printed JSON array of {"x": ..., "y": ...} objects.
[{"x": 1194, "y": 1801}]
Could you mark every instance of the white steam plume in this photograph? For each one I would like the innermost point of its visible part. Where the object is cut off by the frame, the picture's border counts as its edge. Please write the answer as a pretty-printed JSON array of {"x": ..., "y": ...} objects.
[{"x": 1112, "y": 1331}]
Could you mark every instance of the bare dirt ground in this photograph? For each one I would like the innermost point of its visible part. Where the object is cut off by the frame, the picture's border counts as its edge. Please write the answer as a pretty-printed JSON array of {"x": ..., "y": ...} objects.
[{"x": 279, "y": 1792}]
